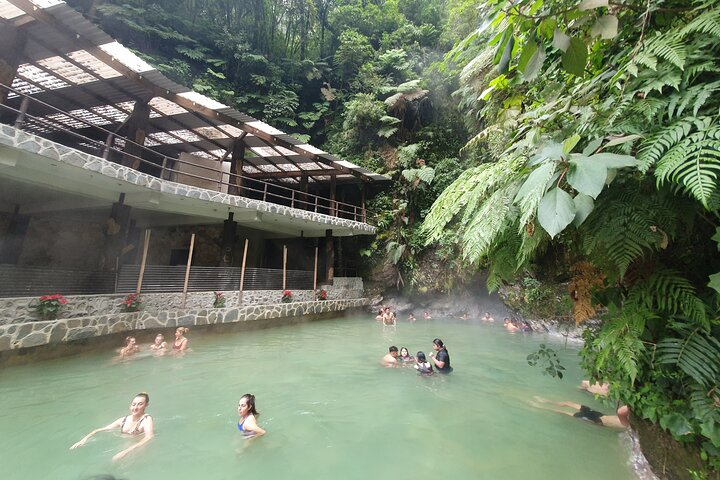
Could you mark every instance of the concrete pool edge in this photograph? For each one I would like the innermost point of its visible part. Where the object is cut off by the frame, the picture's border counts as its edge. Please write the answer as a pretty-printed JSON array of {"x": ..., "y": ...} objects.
[{"x": 30, "y": 335}]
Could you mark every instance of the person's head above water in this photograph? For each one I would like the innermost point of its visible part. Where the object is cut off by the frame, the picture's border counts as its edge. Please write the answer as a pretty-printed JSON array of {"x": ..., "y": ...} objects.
[
  {"x": 438, "y": 343},
  {"x": 393, "y": 350},
  {"x": 129, "y": 341},
  {"x": 246, "y": 405},
  {"x": 159, "y": 338},
  {"x": 404, "y": 352},
  {"x": 420, "y": 357},
  {"x": 623, "y": 414},
  {"x": 139, "y": 404},
  {"x": 181, "y": 331}
]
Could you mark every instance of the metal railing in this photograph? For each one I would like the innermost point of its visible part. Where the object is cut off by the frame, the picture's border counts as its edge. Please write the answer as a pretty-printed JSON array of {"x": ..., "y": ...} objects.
[
  {"x": 19, "y": 281},
  {"x": 164, "y": 167},
  {"x": 160, "y": 278}
]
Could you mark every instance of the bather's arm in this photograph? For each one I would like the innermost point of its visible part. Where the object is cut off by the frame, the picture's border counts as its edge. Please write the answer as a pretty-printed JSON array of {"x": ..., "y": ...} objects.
[{"x": 112, "y": 426}]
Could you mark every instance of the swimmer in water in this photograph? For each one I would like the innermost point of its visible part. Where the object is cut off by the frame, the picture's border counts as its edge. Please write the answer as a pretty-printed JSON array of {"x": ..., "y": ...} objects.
[
  {"x": 441, "y": 357},
  {"x": 181, "y": 343},
  {"x": 130, "y": 347},
  {"x": 422, "y": 365},
  {"x": 159, "y": 345},
  {"x": 138, "y": 423},
  {"x": 405, "y": 356},
  {"x": 620, "y": 421},
  {"x": 390, "y": 360},
  {"x": 247, "y": 423}
]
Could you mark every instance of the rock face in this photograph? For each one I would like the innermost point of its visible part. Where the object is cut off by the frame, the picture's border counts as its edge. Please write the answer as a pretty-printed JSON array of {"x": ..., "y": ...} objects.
[{"x": 668, "y": 458}]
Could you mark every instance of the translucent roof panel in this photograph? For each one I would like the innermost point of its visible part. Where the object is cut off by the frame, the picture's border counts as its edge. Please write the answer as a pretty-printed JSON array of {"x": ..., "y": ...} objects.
[
  {"x": 66, "y": 70},
  {"x": 41, "y": 78},
  {"x": 166, "y": 107},
  {"x": 8, "y": 11},
  {"x": 99, "y": 68},
  {"x": 126, "y": 57}
]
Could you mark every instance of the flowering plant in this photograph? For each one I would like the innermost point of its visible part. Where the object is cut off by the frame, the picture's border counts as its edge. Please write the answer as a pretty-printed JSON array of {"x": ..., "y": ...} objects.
[
  {"x": 322, "y": 295},
  {"x": 131, "y": 303},
  {"x": 219, "y": 300},
  {"x": 287, "y": 296},
  {"x": 48, "y": 306}
]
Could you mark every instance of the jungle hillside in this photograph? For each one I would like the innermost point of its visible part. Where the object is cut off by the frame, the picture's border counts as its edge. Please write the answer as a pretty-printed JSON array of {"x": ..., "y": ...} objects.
[{"x": 567, "y": 146}]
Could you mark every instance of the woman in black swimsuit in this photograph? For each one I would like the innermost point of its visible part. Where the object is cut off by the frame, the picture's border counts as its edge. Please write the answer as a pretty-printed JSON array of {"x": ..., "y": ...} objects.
[{"x": 138, "y": 423}]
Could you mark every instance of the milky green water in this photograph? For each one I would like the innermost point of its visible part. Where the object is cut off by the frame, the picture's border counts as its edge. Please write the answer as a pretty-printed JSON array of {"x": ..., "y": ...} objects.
[{"x": 330, "y": 410}]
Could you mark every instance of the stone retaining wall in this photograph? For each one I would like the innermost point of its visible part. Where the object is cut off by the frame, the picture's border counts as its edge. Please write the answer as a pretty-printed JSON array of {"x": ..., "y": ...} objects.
[
  {"x": 19, "y": 310},
  {"x": 33, "y": 334}
]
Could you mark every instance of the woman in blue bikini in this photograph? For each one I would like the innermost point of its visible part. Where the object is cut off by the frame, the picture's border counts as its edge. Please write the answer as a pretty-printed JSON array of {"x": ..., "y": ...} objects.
[
  {"x": 138, "y": 423},
  {"x": 247, "y": 423}
]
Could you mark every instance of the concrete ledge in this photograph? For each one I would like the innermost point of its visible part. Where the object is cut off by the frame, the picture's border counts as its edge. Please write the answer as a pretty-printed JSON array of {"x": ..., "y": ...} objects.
[{"x": 20, "y": 336}]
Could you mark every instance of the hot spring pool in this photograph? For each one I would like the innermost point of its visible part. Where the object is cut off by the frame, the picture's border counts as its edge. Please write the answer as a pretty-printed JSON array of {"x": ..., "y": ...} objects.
[{"x": 330, "y": 410}]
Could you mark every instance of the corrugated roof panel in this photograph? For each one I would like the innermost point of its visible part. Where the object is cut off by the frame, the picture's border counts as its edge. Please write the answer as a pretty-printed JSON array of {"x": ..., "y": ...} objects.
[
  {"x": 202, "y": 100},
  {"x": 8, "y": 11},
  {"x": 126, "y": 57},
  {"x": 66, "y": 70},
  {"x": 101, "y": 69}
]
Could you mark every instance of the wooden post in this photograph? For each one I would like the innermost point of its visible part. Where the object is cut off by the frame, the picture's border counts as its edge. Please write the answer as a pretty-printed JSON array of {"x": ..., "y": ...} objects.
[
  {"x": 22, "y": 113},
  {"x": 242, "y": 273},
  {"x": 237, "y": 159},
  {"x": 187, "y": 269},
  {"x": 315, "y": 269},
  {"x": 13, "y": 41},
  {"x": 144, "y": 260},
  {"x": 329, "y": 256},
  {"x": 137, "y": 126},
  {"x": 284, "y": 265},
  {"x": 333, "y": 204}
]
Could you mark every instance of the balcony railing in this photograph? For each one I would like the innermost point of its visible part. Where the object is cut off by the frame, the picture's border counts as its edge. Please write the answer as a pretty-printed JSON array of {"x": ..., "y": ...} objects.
[{"x": 165, "y": 167}]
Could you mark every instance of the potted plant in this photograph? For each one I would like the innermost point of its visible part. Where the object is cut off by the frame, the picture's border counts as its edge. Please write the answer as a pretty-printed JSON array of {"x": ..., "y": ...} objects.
[
  {"x": 49, "y": 306},
  {"x": 322, "y": 295},
  {"x": 286, "y": 296},
  {"x": 219, "y": 301},
  {"x": 131, "y": 303}
]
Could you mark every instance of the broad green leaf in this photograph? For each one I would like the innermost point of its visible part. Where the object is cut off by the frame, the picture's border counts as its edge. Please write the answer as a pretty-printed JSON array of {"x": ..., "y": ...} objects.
[
  {"x": 584, "y": 205},
  {"x": 560, "y": 40},
  {"x": 575, "y": 57},
  {"x": 556, "y": 211},
  {"x": 716, "y": 237},
  {"x": 592, "y": 146},
  {"x": 538, "y": 175},
  {"x": 621, "y": 140},
  {"x": 590, "y": 4},
  {"x": 613, "y": 160},
  {"x": 605, "y": 26},
  {"x": 714, "y": 282},
  {"x": 551, "y": 150},
  {"x": 587, "y": 176},
  {"x": 535, "y": 64},
  {"x": 527, "y": 52},
  {"x": 570, "y": 143},
  {"x": 546, "y": 29},
  {"x": 501, "y": 46},
  {"x": 676, "y": 424},
  {"x": 504, "y": 64},
  {"x": 612, "y": 173}
]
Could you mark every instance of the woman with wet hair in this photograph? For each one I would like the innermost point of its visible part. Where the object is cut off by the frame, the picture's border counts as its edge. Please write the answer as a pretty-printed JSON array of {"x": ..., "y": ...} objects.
[
  {"x": 138, "y": 423},
  {"x": 441, "y": 357},
  {"x": 181, "y": 343},
  {"x": 247, "y": 423}
]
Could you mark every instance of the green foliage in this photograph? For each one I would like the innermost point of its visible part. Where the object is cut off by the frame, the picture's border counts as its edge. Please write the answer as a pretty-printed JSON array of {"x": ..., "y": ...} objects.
[{"x": 547, "y": 358}]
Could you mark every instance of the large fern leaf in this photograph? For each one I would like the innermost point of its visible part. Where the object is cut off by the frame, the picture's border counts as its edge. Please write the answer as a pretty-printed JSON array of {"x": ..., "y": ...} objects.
[
  {"x": 667, "y": 291},
  {"x": 694, "y": 352}
]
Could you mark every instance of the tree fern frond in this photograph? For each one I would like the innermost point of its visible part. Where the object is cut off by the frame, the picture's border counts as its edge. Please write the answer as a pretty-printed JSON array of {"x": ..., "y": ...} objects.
[
  {"x": 707, "y": 22},
  {"x": 694, "y": 352},
  {"x": 668, "y": 47},
  {"x": 667, "y": 291},
  {"x": 653, "y": 148},
  {"x": 619, "y": 342},
  {"x": 694, "y": 164},
  {"x": 490, "y": 221}
]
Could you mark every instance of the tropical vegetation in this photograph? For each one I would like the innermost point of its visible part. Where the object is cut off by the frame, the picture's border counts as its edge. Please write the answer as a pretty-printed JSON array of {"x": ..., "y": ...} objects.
[{"x": 571, "y": 142}]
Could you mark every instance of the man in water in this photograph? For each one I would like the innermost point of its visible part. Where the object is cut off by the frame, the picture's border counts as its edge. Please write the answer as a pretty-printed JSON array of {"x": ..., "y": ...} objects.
[
  {"x": 619, "y": 421},
  {"x": 390, "y": 360}
]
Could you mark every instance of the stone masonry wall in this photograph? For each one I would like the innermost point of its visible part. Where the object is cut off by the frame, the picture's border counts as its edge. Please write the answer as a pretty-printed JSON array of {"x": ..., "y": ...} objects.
[
  {"x": 19, "y": 310},
  {"x": 33, "y": 334}
]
